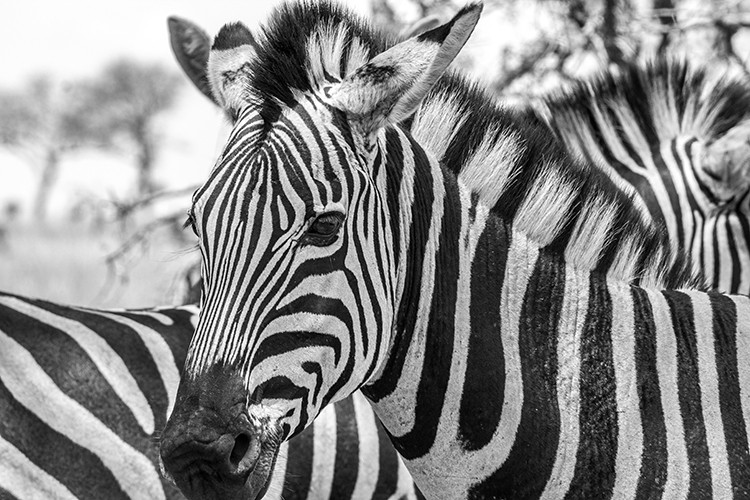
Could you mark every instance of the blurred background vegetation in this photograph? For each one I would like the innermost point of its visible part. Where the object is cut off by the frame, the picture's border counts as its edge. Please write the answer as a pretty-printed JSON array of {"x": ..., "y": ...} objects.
[{"x": 96, "y": 171}]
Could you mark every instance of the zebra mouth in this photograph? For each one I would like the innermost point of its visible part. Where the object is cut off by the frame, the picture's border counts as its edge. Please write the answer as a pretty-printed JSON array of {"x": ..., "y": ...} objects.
[{"x": 260, "y": 478}]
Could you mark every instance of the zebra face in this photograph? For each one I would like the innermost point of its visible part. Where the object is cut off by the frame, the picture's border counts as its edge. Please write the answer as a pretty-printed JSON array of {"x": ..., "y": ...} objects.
[
  {"x": 297, "y": 307},
  {"x": 305, "y": 302},
  {"x": 297, "y": 238}
]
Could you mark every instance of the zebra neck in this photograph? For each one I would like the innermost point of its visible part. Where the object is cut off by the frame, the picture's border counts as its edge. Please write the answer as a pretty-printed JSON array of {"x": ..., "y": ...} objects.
[
  {"x": 514, "y": 374},
  {"x": 454, "y": 387}
]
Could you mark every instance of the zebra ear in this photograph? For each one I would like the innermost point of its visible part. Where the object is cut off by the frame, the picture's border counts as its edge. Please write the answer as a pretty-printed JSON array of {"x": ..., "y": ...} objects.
[
  {"x": 229, "y": 65},
  {"x": 389, "y": 88},
  {"x": 725, "y": 164},
  {"x": 191, "y": 45},
  {"x": 419, "y": 27}
]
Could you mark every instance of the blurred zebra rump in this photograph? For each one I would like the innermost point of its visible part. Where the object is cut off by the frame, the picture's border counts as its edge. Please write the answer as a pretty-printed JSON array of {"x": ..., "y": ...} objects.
[{"x": 82, "y": 392}]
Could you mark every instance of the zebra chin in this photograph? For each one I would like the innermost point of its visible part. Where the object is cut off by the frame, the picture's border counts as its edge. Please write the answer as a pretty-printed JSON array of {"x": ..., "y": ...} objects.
[{"x": 216, "y": 447}]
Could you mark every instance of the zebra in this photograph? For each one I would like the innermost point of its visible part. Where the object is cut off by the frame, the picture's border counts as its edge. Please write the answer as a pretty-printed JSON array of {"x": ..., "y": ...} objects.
[
  {"x": 681, "y": 137},
  {"x": 190, "y": 45},
  {"x": 82, "y": 392},
  {"x": 341, "y": 252}
]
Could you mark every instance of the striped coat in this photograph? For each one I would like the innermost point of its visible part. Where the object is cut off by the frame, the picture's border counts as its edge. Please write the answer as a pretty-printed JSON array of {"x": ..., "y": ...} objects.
[{"x": 84, "y": 392}]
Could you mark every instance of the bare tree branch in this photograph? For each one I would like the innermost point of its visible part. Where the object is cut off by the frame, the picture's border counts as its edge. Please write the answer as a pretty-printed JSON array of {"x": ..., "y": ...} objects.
[{"x": 124, "y": 209}]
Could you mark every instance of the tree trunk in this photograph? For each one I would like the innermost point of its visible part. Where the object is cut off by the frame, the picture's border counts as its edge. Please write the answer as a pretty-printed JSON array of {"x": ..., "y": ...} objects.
[
  {"x": 146, "y": 153},
  {"x": 666, "y": 21},
  {"x": 46, "y": 181}
]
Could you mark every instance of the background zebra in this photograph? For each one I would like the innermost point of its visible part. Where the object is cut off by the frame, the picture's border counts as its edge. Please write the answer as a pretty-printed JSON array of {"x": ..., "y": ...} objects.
[
  {"x": 503, "y": 358},
  {"x": 681, "y": 138},
  {"x": 83, "y": 390}
]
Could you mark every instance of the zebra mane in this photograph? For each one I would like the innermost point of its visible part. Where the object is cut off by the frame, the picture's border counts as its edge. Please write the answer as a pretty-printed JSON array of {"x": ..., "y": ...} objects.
[
  {"x": 665, "y": 98},
  {"x": 305, "y": 45},
  {"x": 643, "y": 107},
  {"x": 510, "y": 160}
]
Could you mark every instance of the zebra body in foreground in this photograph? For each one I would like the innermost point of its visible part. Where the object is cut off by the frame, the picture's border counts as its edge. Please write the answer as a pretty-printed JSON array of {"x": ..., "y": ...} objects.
[
  {"x": 681, "y": 138},
  {"x": 83, "y": 390},
  {"x": 339, "y": 254}
]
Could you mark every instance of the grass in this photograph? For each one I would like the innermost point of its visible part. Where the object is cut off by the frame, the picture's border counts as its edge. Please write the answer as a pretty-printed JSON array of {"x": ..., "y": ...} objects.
[{"x": 68, "y": 264}]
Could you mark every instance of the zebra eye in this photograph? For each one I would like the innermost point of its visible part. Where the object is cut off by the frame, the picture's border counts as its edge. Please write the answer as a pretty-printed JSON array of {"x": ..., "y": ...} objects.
[{"x": 324, "y": 228}]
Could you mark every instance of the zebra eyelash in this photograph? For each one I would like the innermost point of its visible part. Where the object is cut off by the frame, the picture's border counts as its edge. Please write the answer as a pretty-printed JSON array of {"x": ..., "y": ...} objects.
[{"x": 189, "y": 222}]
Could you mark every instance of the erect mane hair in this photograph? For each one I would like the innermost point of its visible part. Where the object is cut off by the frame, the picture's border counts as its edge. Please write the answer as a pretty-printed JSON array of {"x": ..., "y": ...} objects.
[
  {"x": 305, "y": 45},
  {"x": 666, "y": 98},
  {"x": 509, "y": 159}
]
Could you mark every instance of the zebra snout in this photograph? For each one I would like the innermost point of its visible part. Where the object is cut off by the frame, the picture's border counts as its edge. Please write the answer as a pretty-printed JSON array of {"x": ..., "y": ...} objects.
[
  {"x": 211, "y": 448},
  {"x": 216, "y": 469}
]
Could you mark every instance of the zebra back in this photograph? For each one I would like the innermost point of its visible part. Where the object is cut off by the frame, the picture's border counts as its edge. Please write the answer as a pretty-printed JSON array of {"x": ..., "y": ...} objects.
[{"x": 82, "y": 393}]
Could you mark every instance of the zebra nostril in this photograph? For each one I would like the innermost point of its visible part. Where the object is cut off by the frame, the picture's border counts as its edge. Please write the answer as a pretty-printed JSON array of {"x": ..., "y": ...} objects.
[
  {"x": 244, "y": 454},
  {"x": 241, "y": 445}
]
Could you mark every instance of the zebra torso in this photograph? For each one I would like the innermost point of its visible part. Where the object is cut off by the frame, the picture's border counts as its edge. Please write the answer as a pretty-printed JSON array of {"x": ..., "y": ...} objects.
[
  {"x": 506, "y": 361},
  {"x": 83, "y": 393},
  {"x": 679, "y": 137}
]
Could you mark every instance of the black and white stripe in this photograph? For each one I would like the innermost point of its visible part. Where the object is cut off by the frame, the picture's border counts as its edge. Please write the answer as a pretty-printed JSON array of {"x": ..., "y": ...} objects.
[
  {"x": 679, "y": 135},
  {"x": 514, "y": 328},
  {"x": 83, "y": 390}
]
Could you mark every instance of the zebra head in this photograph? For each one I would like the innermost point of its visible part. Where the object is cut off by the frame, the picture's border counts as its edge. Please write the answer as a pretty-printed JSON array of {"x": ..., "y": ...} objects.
[{"x": 298, "y": 235}]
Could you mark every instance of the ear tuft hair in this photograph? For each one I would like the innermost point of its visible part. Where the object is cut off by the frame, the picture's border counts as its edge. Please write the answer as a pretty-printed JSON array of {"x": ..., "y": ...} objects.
[{"x": 233, "y": 35}]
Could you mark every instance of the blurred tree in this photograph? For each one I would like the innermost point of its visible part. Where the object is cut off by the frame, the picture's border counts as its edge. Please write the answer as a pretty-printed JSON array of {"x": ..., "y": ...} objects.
[
  {"x": 122, "y": 105},
  {"x": 41, "y": 124},
  {"x": 117, "y": 109}
]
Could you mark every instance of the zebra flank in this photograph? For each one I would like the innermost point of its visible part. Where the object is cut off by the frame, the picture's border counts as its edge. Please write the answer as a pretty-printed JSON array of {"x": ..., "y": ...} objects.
[
  {"x": 518, "y": 327},
  {"x": 83, "y": 390},
  {"x": 679, "y": 136}
]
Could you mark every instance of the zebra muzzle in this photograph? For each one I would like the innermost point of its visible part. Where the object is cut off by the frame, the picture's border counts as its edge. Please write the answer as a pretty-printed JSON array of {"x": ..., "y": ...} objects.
[
  {"x": 234, "y": 466},
  {"x": 210, "y": 447}
]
